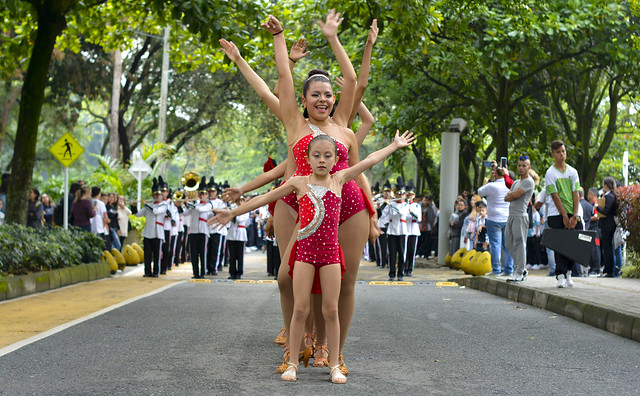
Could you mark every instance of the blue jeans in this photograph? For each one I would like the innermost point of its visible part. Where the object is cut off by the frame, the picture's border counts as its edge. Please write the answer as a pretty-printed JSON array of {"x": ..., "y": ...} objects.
[
  {"x": 617, "y": 261},
  {"x": 495, "y": 232},
  {"x": 115, "y": 241}
]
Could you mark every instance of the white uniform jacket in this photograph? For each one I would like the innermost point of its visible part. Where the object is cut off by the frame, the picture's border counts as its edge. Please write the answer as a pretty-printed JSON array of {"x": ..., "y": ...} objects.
[
  {"x": 218, "y": 204},
  {"x": 200, "y": 213},
  {"x": 414, "y": 218},
  {"x": 238, "y": 228},
  {"x": 154, "y": 215},
  {"x": 397, "y": 213}
]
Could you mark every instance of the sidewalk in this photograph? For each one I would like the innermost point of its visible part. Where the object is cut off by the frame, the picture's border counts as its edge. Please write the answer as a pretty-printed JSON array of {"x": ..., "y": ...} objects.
[{"x": 611, "y": 304}]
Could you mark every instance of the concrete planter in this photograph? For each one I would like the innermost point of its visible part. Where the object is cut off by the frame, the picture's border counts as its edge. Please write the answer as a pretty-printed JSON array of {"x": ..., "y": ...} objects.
[{"x": 23, "y": 285}]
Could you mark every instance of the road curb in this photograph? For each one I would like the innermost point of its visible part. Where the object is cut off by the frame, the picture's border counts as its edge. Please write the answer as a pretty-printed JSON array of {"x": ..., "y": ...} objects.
[
  {"x": 23, "y": 285},
  {"x": 613, "y": 320}
]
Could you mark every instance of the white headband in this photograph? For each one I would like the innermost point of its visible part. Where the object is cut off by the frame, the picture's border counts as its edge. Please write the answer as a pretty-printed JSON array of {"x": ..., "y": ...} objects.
[{"x": 318, "y": 75}]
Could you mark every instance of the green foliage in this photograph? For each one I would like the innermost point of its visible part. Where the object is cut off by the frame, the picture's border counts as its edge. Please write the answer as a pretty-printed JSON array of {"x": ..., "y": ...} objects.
[
  {"x": 137, "y": 223},
  {"x": 629, "y": 214},
  {"x": 632, "y": 266},
  {"x": 24, "y": 250}
]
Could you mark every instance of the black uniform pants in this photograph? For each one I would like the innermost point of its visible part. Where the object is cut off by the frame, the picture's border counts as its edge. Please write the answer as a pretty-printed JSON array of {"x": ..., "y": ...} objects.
[
  {"x": 382, "y": 247},
  {"x": 236, "y": 258},
  {"x": 412, "y": 244},
  {"x": 198, "y": 254},
  {"x": 167, "y": 251},
  {"x": 396, "y": 254},
  {"x": 273, "y": 258},
  {"x": 213, "y": 251},
  {"x": 152, "y": 248},
  {"x": 178, "y": 249}
]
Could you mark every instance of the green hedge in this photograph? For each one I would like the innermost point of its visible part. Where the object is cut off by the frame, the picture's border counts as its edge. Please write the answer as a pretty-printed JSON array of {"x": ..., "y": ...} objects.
[{"x": 24, "y": 250}]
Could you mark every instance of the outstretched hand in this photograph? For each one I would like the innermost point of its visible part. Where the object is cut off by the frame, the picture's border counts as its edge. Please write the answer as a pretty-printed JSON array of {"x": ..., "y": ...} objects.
[
  {"x": 231, "y": 194},
  {"x": 339, "y": 82},
  {"x": 298, "y": 49},
  {"x": 222, "y": 217},
  {"x": 330, "y": 26},
  {"x": 404, "y": 140},
  {"x": 230, "y": 49},
  {"x": 373, "y": 32},
  {"x": 272, "y": 25}
]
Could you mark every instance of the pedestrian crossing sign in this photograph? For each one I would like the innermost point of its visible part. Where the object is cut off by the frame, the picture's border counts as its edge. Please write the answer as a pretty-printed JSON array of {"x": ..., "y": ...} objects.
[{"x": 66, "y": 149}]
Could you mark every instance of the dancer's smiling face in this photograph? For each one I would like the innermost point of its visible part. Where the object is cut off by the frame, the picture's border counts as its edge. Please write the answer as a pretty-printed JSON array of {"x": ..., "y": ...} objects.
[{"x": 319, "y": 100}]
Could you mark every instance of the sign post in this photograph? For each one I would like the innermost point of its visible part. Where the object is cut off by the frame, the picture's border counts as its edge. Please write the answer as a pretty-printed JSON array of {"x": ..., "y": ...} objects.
[
  {"x": 66, "y": 150},
  {"x": 139, "y": 169}
]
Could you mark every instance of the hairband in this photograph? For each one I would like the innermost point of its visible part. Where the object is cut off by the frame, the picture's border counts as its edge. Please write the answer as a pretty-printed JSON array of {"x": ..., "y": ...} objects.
[{"x": 318, "y": 75}]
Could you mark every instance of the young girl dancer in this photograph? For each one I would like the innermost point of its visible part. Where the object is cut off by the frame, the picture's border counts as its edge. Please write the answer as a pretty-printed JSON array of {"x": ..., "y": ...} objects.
[
  {"x": 354, "y": 219},
  {"x": 316, "y": 253}
]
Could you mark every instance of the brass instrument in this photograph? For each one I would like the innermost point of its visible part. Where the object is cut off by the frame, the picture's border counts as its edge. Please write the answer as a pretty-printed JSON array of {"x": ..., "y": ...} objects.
[
  {"x": 191, "y": 181},
  {"x": 178, "y": 196}
]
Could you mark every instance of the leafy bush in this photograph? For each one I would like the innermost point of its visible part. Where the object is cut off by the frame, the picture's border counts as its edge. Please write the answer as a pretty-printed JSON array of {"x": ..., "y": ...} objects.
[
  {"x": 632, "y": 266},
  {"x": 629, "y": 214},
  {"x": 24, "y": 250}
]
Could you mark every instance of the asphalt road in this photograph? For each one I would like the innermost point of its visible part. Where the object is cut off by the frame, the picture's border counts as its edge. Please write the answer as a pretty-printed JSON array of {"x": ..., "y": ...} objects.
[{"x": 217, "y": 338}]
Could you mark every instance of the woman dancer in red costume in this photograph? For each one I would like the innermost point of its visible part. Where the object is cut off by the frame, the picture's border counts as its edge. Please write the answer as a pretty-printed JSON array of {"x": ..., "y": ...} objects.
[
  {"x": 355, "y": 220},
  {"x": 316, "y": 251}
]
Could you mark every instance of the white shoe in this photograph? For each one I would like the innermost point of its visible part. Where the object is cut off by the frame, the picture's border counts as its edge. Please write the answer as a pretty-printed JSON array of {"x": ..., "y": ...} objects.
[
  {"x": 535, "y": 267},
  {"x": 562, "y": 281},
  {"x": 569, "y": 280},
  {"x": 528, "y": 266}
]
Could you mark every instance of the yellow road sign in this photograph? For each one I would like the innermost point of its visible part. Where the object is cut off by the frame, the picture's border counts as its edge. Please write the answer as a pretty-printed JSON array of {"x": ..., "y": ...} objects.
[{"x": 66, "y": 149}]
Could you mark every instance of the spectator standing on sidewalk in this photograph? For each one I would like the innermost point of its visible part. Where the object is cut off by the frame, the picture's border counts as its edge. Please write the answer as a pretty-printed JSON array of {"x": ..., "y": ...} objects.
[
  {"x": 496, "y": 222},
  {"x": 455, "y": 225},
  {"x": 123, "y": 219},
  {"x": 518, "y": 222},
  {"x": 562, "y": 183},
  {"x": 594, "y": 225},
  {"x": 606, "y": 215}
]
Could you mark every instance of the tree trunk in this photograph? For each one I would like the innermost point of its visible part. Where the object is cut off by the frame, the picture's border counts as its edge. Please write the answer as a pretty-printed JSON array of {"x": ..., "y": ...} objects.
[
  {"x": 51, "y": 22},
  {"x": 6, "y": 112},
  {"x": 115, "y": 105}
]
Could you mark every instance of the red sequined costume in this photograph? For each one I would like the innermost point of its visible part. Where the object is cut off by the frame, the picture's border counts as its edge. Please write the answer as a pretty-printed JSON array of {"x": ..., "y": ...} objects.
[
  {"x": 353, "y": 198},
  {"x": 317, "y": 240}
]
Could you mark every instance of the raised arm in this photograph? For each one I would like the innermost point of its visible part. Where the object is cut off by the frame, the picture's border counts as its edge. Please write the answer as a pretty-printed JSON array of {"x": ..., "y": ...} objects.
[
  {"x": 367, "y": 123},
  {"x": 291, "y": 116},
  {"x": 223, "y": 216},
  {"x": 256, "y": 82},
  {"x": 297, "y": 52},
  {"x": 400, "y": 141},
  {"x": 233, "y": 194},
  {"x": 330, "y": 31},
  {"x": 363, "y": 76}
]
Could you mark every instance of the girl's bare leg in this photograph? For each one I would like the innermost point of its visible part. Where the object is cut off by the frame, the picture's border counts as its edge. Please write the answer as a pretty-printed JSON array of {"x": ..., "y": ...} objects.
[
  {"x": 284, "y": 226},
  {"x": 330, "y": 282},
  {"x": 303, "y": 273},
  {"x": 352, "y": 235}
]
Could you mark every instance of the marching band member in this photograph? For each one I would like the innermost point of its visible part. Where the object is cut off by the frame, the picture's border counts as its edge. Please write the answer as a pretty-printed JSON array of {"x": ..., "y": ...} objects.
[
  {"x": 170, "y": 221},
  {"x": 215, "y": 246},
  {"x": 413, "y": 229},
  {"x": 199, "y": 230},
  {"x": 153, "y": 232},
  {"x": 236, "y": 240},
  {"x": 180, "y": 238},
  {"x": 382, "y": 244},
  {"x": 397, "y": 212}
]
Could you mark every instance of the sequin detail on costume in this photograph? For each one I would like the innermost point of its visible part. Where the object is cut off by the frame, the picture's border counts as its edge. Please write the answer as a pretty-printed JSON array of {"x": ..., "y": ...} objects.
[{"x": 315, "y": 196}]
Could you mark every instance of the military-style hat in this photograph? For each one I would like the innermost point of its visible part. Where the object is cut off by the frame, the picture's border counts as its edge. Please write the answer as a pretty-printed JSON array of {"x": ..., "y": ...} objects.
[
  {"x": 155, "y": 188},
  {"x": 386, "y": 186},
  {"x": 400, "y": 185},
  {"x": 212, "y": 184},
  {"x": 202, "y": 187},
  {"x": 163, "y": 185},
  {"x": 411, "y": 189},
  {"x": 376, "y": 188}
]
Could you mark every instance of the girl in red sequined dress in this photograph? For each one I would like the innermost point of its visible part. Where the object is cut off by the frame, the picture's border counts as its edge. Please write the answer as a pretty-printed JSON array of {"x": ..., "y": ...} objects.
[{"x": 317, "y": 251}]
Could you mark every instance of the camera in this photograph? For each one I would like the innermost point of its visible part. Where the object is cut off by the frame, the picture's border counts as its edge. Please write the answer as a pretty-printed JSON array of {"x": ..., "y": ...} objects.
[
  {"x": 503, "y": 162},
  {"x": 487, "y": 163}
]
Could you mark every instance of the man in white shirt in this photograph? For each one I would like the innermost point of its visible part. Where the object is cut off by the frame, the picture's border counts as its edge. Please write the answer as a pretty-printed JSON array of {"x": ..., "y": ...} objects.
[
  {"x": 236, "y": 241},
  {"x": 215, "y": 246},
  {"x": 413, "y": 229},
  {"x": 101, "y": 219},
  {"x": 496, "y": 222},
  {"x": 397, "y": 212}
]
